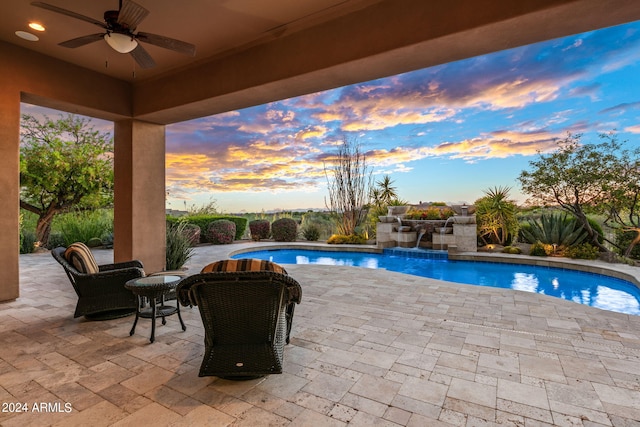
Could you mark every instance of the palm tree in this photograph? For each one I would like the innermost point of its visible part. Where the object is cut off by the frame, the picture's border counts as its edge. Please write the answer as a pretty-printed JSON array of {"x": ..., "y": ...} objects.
[
  {"x": 375, "y": 196},
  {"x": 387, "y": 192}
]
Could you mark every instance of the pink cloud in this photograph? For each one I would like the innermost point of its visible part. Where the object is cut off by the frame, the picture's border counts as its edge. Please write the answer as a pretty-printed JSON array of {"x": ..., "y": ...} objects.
[{"x": 633, "y": 129}]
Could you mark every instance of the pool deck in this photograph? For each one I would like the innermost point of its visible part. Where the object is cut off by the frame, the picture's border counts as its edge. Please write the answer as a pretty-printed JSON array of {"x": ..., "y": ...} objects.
[{"x": 368, "y": 347}]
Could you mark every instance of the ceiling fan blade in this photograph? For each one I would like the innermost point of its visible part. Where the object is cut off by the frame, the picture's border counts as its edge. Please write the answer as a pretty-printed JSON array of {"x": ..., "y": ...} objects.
[
  {"x": 167, "y": 43},
  {"x": 81, "y": 41},
  {"x": 131, "y": 15},
  {"x": 142, "y": 57},
  {"x": 68, "y": 13}
]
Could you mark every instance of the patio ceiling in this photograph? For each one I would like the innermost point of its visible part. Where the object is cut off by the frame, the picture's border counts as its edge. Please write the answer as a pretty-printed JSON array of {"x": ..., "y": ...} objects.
[
  {"x": 214, "y": 27},
  {"x": 253, "y": 51}
]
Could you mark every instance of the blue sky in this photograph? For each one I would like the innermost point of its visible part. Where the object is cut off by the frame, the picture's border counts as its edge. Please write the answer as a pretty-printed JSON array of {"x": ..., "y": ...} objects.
[{"x": 444, "y": 133}]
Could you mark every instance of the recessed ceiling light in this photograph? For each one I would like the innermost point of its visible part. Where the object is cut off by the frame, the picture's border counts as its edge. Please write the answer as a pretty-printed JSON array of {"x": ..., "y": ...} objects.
[
  {"x": 27, "y": 36},
  {"x": 36, "y": 26}
]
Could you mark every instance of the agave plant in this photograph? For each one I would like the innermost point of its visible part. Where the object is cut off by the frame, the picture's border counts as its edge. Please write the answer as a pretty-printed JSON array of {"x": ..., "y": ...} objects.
[{"x": 555, "y": 229}]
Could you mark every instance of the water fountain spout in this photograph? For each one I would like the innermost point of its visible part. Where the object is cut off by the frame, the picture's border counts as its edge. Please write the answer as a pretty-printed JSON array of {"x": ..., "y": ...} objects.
[
  {"x": 443, "y": 230},
  {"x": 447, "y": 221},
  {"x": 423, "y": 231},
  {"x": 399, "y": 230}
]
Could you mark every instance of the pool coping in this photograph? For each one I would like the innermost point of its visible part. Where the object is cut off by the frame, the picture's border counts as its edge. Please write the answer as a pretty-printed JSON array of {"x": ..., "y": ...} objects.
[{"x": 618, "y": 271}]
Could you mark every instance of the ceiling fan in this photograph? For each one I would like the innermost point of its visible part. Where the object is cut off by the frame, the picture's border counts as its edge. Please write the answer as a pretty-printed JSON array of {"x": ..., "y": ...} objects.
[{"x": 120, "y": 26}]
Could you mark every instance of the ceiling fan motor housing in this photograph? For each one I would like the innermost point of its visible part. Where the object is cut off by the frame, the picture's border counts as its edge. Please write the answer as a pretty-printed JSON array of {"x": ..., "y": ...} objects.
[{"x": 111, "y": 18}]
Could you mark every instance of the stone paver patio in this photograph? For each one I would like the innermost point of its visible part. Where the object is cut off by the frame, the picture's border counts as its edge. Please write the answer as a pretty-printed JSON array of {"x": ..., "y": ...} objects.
[{"x": 368, "y": 348}]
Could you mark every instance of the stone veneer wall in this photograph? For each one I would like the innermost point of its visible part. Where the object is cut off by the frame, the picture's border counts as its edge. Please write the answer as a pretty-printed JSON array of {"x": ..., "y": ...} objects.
[{"x": 463, "y": 238}]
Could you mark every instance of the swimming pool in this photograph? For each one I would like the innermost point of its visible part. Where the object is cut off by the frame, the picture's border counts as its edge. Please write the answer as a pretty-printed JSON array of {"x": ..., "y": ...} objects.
[{"x": 590, "y": 289}]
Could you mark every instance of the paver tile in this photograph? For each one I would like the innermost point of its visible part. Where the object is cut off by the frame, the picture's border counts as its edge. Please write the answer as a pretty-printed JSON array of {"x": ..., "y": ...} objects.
[
  {"x": 368, "y": 347},
  {"x": 376, "y": 388}
]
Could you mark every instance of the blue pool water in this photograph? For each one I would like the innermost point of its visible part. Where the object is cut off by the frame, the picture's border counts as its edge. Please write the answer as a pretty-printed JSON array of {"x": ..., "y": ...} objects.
[{"x": 595, "y": 290}]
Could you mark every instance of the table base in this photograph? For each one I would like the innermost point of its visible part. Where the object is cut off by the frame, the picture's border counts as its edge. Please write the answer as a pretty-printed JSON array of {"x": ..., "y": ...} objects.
[{"x": 155, "y": 311}]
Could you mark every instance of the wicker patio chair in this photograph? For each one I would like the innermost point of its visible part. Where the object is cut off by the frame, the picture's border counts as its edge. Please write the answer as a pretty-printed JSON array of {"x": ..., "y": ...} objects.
[
  {"x": 100, "y": 289},
  {"x": 247, "y": 317}
]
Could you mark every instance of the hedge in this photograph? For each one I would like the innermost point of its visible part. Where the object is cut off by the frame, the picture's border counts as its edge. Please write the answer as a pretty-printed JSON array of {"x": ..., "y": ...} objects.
[{"x": 203, "y": 222}]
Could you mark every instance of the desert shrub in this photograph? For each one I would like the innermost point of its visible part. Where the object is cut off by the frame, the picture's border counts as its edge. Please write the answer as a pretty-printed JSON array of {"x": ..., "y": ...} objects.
[
  {"x": 191, "y": 231},
  {"x": 28, "y": 220},
  {"x": 107, "y": 240},
  {"x": 416, "y": 214},
  {"x": 221, "y": 231},
  {"x": 311, "y": 232},
  {"x": 433, "y": 212},
  {"x": 322, "y": 221},
  {"x": 20, "y": 219},
  {"x": 351, "y": 239},
  {"x": 28, "y": 242},
  {"x": 623, "y": 240},
  {"x": 514, "y": 250},
  {"x": 539, "y": 249},
  {"x": 179, "y": 244},
  {"x": 582, "y": 251},
  {"x": 203, "y": 222},
  {"x": 56, "y": 239},
  {"x": 260, "y": 229},
  {"x": 446, "y": 213},
  {"x": 373, "y": 218},
  {"x": 597, "y": 228},
  {"x": 524, "y": 227},
  {"x": 94, "y": 242},
  {"x": 284, "y": 230},
  {"x": 429, "y": 213},
  {"x": 82, "y": 226},
  {"x": 496, "y": 216}
]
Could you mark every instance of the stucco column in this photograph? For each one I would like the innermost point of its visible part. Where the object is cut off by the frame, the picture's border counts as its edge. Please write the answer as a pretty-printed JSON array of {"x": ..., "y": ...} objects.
[
  {"x": 139, "y": 214},
  {"x": 9, "y": 192}
]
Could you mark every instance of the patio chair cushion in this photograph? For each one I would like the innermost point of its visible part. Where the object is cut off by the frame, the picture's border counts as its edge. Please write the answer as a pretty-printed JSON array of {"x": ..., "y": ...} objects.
[
  {"x": 80, "y": 256},
  {"x": 243, "y": 265}
]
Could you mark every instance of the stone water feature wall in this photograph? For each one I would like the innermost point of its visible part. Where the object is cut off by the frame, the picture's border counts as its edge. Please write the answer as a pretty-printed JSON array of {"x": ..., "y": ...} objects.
[{"x": 456, "y": 234}]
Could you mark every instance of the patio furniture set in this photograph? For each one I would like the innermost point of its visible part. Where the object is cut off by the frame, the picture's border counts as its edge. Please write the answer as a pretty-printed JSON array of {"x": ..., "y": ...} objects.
[{"x": 246, "y": 306}]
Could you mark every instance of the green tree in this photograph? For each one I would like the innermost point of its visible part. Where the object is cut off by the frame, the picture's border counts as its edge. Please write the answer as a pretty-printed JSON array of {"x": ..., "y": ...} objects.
[
  {"x": 622, "y": 206},
  {"x": 64, "y": 164},
  {"x": 496, "y": 216},
  {"x": 349, "y": 184},
  {"x": 576, "y": 177}
]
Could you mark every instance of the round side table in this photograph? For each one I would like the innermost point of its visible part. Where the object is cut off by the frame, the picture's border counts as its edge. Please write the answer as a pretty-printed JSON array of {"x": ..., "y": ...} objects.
[{"x": 154, "y": 288}]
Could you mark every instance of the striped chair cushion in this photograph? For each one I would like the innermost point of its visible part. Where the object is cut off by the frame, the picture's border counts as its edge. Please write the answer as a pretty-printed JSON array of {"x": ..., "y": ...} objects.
[
  {"x": 80, "y": 256},
  {"x": 243, "y": 265}
]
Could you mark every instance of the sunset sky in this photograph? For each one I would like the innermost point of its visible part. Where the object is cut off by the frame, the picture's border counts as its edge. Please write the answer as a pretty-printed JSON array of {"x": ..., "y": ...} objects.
[{"x": 444, "y": 133}]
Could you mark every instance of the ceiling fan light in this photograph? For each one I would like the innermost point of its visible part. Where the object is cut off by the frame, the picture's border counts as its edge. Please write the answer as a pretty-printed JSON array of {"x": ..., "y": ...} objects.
[
  {"x": 36, "y": 26},
  {"x": 121, "y": 42}
]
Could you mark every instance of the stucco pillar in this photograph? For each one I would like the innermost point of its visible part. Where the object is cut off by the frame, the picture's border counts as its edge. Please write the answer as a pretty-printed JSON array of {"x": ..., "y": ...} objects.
[
  {"x": 139, "y": 214},
  {"x": 9, "y": 193}
]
